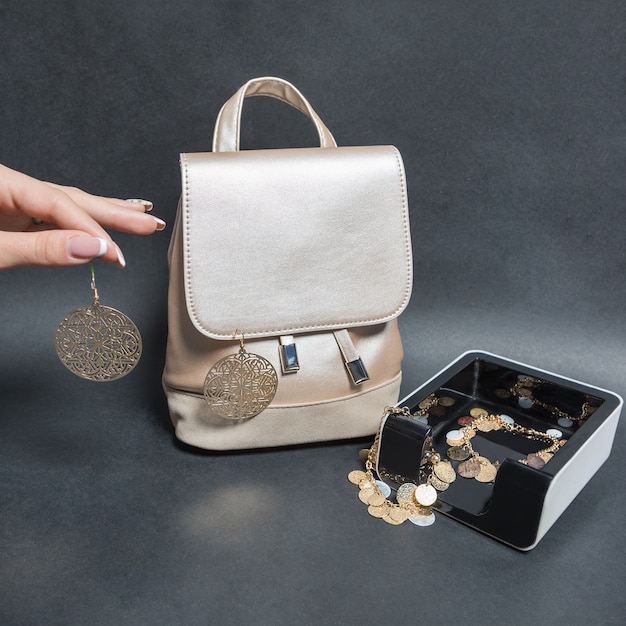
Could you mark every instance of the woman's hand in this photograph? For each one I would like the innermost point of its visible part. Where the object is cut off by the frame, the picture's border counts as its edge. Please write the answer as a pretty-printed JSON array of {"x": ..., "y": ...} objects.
[{"x": 46, "y": 224}]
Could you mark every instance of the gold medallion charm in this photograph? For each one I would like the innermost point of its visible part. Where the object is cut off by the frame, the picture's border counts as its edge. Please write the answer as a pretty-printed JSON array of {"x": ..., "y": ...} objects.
[
  {"x": 240, "y": 385},
  {"x": 97, "y": 342}
]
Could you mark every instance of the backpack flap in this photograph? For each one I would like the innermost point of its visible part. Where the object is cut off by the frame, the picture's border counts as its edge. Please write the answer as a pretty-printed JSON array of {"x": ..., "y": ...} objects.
[{"x": 288, "y": 241}]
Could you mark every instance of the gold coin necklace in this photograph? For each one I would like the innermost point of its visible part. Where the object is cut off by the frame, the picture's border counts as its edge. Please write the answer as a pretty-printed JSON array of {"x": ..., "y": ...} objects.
[
  {"x": 241, "y": 385},
  {"x": 413, "y": 502},
  {"x": 97, "y": 342}
]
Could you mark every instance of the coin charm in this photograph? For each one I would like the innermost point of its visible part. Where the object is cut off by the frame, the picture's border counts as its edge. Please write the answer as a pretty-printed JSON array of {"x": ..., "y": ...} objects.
[
  {"x": 384, "y": 488},
  {"x": 405, "y": 492},
  {"x": 478, "y": 412},
  {"x": 454, "y": 438},
  {"x": 437, "y": 410},
  {"x": 437, "y": 483},
  {"x": 97, "y": 342},
  {"x": 525, "y": 403},
  {"x": 356, "y": 476},
  {"x": 398, "y": 515},
  {"x": 534, "y": 460},
  {"x": 444, "y": 471},
  {"x": 469, "y": 469},
  {"x": 425, "y": 495},
  {"x": 364, "y": 494},
  {"x": 376, "y": 499},
  {"x": 422, "y": 520},
  {"x": 488, "y": 470},
  {"x": 447, "y": 401},
  {"x": 376, "y": 511},
  {"x": 241, "y": 385},
  {"x": 484, "y": 426},
  {"x": 458, "y": 453}
]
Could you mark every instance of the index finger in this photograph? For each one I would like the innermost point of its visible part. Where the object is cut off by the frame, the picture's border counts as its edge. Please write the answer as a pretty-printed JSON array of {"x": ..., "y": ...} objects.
[
  {"x": 128, "y": 216},
  {"x": 50, "y": 204}
]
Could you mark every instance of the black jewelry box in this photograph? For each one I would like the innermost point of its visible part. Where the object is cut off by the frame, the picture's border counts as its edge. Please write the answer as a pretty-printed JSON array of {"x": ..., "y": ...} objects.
[{"x": 523, "y": 502}]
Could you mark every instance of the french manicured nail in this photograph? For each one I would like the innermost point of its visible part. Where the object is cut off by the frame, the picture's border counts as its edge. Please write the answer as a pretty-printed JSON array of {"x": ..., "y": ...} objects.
[
  {"x": 120, "y": 257},
  {"x": 147, "y": 205},
  {"x": 160, "y": 223},
  {"x": 87, "y": 247}
]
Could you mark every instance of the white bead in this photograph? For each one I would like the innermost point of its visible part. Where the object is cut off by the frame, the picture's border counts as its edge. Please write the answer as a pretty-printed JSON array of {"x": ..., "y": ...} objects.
[
  {"x": 507, "y": 418},
  {"x": 564, "y": 422}
]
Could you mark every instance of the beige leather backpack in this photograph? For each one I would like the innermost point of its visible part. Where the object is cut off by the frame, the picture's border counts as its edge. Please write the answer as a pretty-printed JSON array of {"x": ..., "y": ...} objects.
[{"x": 288, "y": 271}]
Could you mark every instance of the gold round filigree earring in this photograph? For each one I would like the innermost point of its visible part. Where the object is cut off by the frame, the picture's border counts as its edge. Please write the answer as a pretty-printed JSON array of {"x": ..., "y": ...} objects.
[
  {"x": 241, "y": 385},
  {"x": 97, "y": 342}
]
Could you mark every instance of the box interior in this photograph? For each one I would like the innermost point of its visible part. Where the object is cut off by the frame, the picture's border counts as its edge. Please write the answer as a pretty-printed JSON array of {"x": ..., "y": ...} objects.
[{"x": 533, "y": 399}]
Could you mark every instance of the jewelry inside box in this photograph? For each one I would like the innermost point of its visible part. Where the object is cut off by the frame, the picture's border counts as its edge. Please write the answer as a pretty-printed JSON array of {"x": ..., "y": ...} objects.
[{"x": 416, "y": 500}]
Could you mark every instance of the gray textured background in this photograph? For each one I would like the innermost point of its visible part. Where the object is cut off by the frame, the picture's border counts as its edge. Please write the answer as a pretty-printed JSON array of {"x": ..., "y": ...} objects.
[{"x": 511, "y": 120}]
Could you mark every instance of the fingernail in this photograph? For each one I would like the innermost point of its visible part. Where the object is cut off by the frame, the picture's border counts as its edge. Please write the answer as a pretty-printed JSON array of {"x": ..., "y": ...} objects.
[
  {"x": 120, "y": 257},
  {"x": 147, "y": 205},
  {"x": 160, "y": 223},
  {"x": 86, "y": 247}
]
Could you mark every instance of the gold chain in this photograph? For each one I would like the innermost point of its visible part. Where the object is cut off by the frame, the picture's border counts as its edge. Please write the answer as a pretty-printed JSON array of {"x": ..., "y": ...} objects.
[
  {"x": 481, "y": 420},
  {"x": 415, "y": 502},
  {"x": 522, "y": 389}
]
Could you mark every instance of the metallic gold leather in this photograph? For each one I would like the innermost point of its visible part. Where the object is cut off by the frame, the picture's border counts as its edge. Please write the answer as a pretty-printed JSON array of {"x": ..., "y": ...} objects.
[
  {"x": 295, "y": 240},
  {"x": 322, "y": 374},
  {"x": 287, "y": 242},
  {"x": 281, "y": 425}
]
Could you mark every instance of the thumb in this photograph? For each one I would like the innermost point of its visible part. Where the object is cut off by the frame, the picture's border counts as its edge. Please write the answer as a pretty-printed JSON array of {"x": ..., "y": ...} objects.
[{"x": 49, "y": 247}]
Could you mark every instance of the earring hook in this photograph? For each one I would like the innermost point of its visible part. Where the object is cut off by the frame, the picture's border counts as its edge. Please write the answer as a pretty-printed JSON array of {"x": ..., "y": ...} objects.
[
  {"x": 238, "y": 332},
  {"x": 96, "y": 297}
]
